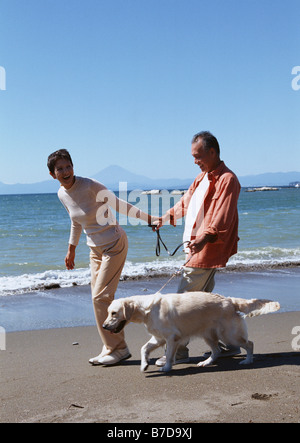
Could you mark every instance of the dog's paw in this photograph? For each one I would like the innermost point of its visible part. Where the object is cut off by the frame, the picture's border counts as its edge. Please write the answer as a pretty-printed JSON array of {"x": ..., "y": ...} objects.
[
  {"x": 144, "y": 366},
  {"x": 203, "y": 364}
]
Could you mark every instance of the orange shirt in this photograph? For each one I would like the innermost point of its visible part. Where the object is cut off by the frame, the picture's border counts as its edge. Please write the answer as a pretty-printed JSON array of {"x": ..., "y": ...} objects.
[{"x": 220, "y": 217}]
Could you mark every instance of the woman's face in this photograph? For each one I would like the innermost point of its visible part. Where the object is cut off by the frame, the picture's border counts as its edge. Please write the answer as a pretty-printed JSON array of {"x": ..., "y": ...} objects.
[{"x": 64, "y": 173}]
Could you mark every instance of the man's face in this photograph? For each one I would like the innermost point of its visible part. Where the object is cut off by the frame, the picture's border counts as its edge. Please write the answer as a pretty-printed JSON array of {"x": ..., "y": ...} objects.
[{"x": 206, "y": 160}]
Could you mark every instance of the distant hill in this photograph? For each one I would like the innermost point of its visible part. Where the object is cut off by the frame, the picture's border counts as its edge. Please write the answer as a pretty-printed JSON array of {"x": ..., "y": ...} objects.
[
  {"x": 270, "y": 179},
  {"x": 44, "y": 187},
  {"x": 112, "y": 175}
]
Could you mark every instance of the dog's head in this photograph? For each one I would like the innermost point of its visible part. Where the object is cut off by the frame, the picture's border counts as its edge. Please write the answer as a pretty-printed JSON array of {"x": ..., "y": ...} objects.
[{"x": 119, "y": 313}]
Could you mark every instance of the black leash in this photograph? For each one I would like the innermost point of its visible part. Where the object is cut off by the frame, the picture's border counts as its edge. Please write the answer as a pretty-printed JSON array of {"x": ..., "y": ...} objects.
[
  {"x": 159, "y": 241},
  {"x": 157, "y": 251}
]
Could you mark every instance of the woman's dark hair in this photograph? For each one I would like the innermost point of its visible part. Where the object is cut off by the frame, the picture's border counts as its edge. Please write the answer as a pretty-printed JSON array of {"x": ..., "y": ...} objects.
[
  {"x": 209, "y": 141},
  {"x": 57, "y": 155}
]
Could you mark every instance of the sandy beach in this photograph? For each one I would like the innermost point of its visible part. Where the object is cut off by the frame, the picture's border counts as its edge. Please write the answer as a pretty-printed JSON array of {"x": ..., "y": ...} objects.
[{"x": 45, "y": 377}]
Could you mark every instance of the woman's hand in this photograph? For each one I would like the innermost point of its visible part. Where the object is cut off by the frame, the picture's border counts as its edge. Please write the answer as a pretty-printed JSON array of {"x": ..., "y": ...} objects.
[
  {"x": 158, "y": 222},
  {"x": 70, "y": 257}
]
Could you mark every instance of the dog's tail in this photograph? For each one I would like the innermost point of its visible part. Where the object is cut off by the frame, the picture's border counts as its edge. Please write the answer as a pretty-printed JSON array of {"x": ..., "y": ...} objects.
[{"x": 255, "y": 306}]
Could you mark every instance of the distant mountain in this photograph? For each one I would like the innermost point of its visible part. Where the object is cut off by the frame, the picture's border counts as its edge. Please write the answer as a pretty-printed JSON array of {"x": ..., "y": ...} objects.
[
  {"x": 112, "y": 175},
  {"x": 270, "y": 179},
  {"x": 44, "y": 187}
]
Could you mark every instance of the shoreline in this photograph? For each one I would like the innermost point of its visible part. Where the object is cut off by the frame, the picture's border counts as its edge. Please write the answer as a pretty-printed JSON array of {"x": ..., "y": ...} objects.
[
  {"x": 72, "y": 306},
  {"x": 164, "y": 272},
  {"x": 46, "y": 378}
]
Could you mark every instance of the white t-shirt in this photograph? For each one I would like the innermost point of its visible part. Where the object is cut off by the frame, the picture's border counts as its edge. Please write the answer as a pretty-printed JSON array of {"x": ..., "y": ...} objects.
[{"x": 195, "y": 205}]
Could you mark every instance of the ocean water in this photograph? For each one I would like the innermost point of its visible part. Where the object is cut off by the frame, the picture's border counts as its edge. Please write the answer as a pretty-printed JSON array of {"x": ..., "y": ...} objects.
[{"x": 34, "y": 232}]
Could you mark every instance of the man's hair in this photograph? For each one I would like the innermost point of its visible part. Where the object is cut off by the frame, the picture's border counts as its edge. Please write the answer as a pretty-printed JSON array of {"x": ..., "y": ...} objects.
[
  {"x": 57, "y": 155},
  {"x": 208, "y": 140}
]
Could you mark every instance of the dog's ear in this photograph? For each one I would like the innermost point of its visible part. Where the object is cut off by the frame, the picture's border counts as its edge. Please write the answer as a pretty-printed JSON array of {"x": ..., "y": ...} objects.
[{"x": 127, "y": 311}]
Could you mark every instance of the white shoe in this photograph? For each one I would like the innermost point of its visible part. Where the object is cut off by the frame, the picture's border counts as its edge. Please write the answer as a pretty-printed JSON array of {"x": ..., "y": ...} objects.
[
  {"x": 163, "y": 360},
  {"x": 94, "y": 360},
  {"x": 113, "y": 358}
]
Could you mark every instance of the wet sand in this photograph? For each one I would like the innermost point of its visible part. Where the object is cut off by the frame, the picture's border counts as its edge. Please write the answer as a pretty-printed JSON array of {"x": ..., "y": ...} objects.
[
  {"x": 45, "y": 377},
  {"x": 71, "y": 306}
]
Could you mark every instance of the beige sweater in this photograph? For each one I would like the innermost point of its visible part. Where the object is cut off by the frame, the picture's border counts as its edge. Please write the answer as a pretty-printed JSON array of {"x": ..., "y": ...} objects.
[{"x": 89, "y": 204}]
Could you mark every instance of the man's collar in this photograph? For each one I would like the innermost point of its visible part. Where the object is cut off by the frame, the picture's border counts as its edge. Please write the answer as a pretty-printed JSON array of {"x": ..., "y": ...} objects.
[{"x": 216, "y": 173}]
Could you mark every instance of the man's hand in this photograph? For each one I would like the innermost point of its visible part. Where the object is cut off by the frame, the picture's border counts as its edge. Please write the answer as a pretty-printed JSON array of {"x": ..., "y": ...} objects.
[
  {"x": 70, "y": 257},
  {"x": 198, "y": 243}
]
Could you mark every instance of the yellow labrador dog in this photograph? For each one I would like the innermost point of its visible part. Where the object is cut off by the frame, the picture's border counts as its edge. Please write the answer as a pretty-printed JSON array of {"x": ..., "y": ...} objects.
[{"x": 173, "y": 318}]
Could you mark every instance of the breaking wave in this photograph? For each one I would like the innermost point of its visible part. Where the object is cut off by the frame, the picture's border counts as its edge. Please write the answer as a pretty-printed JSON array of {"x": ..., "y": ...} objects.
[{"x": 247, "y": 260}]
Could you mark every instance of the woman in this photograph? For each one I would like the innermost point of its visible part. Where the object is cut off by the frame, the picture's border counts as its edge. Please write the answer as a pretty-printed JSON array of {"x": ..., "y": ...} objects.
[{"x": 88, "y": 204}]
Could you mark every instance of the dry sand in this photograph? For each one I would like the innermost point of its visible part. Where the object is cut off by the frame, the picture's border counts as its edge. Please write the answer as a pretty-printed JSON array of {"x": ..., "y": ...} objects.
[{"x": 45, "y": 377}]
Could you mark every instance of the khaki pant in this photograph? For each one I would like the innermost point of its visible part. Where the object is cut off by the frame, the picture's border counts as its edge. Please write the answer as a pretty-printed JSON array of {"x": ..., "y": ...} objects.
[
  {"x": 106, "y": 266},
  {"x": 194, "y": 279},
  {"x": 197, "y": 279}
]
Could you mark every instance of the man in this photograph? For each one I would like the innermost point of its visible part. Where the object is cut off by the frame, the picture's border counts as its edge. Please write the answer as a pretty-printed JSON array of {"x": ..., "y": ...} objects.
[{"x": 211, "y": 224}]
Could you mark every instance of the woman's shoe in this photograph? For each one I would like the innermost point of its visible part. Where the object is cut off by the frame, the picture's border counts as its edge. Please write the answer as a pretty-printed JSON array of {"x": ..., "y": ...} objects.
[
  {"x": 95, "y": 360},
  {"x": 111, "y": 359}
]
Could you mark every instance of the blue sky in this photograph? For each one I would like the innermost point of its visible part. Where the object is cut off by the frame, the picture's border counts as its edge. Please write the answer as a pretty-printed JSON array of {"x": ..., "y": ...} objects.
[{"x": 129, "y": 82}]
